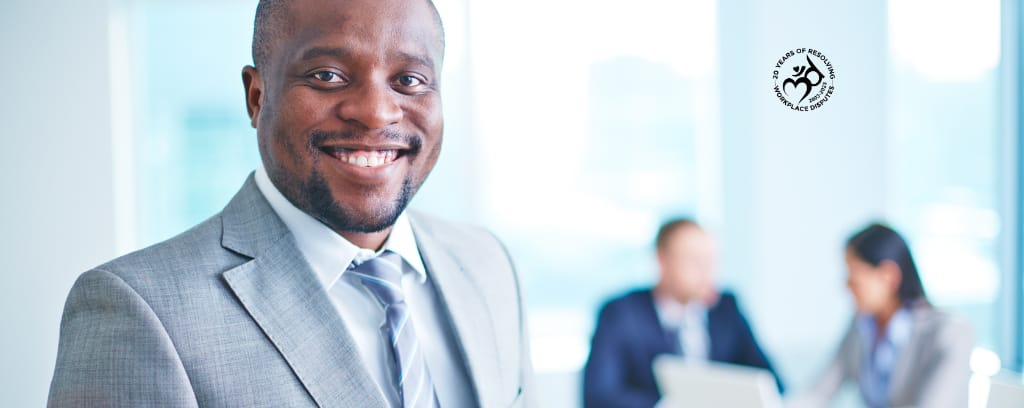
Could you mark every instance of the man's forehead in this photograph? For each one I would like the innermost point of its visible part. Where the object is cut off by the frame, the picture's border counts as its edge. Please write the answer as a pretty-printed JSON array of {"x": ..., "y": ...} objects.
[
  {"x": 689, "y": 231},
  {"x": 690, "y": 236},
  {"x": 364, "y": 7},
  {"x": 411, "y": 26}
]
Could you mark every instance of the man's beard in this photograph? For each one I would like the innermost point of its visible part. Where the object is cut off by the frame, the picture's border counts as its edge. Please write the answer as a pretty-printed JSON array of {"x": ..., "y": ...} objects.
[
  {"x": 312, "y": 194},
  {"x": 324, "y": 208}
]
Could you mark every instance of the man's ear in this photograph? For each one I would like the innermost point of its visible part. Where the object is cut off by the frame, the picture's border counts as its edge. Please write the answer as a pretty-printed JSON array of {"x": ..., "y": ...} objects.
[
  {"x": 660, "y": 258},
  {"x": 253, "y": 93}
]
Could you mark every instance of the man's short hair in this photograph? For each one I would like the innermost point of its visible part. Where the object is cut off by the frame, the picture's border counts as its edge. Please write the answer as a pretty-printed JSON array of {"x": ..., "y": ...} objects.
[
  {"x": 268, "y": 25},
  {"x": 671, "y": 226}
]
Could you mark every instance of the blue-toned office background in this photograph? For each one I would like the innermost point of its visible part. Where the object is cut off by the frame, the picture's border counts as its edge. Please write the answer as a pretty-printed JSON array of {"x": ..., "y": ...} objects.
[{"x": 572, "y": 129}]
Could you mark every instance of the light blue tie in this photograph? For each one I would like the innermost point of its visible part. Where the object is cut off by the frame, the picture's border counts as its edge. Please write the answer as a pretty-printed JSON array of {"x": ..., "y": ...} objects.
[{"x": 383, "y": 277}]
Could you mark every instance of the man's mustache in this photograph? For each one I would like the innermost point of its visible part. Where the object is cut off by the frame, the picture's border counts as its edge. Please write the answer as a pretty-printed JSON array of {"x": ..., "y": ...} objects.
[{"x": 322, "y": 137}]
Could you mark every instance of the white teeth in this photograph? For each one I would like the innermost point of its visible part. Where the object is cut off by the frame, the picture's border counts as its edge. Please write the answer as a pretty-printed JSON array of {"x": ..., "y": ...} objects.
[{"x": 368, "y": 158}]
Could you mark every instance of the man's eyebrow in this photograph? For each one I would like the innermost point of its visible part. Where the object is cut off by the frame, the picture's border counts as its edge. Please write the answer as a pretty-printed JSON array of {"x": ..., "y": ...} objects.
[
  {"x": 325, "y": 52},
  {"x": 336, "y": 52},
  {"x": 415, "y": 59}
]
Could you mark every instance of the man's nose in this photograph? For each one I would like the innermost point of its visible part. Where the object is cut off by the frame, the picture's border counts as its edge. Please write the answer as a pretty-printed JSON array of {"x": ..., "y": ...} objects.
[{"x": 373, "y": 105}]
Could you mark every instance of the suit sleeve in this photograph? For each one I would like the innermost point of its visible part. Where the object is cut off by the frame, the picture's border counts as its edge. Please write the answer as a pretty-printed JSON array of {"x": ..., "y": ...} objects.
[
  {"x": 114, "y": 351},
  {"x": 752, "y": 354},
  {"x": 946, "y": 383},
  {"x": 604, "y": 377}
]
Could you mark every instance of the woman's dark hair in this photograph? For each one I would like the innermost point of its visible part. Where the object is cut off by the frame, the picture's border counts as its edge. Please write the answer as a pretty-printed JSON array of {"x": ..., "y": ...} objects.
[{"x": 877, "y": 243}]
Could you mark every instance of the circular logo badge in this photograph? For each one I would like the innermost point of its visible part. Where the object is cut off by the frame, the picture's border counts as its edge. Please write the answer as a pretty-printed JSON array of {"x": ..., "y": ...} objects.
[{"x": 804, "y": 79}]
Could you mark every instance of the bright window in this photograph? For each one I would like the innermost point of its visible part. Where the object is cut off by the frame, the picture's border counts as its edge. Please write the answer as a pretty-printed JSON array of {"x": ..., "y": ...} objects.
[
  {"x": 588, "y": 137},
  {"x": 944, "y": 160}
]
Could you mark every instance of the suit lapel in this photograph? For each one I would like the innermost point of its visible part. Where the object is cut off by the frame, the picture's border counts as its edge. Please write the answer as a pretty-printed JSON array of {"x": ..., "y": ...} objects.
[
  {"x": 717, "y": 342},
  {"x": 663, "y": 339},
  {"x": 281, "y": 293},
  {"x": 467, "y": 310},
  {"x": 909, "y": 358}
]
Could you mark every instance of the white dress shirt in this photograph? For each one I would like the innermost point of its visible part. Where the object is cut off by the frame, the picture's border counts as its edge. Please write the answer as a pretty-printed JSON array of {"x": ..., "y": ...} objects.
[
  {"x": 330, "y": 254},
  {"x": 691, "y": 319}
]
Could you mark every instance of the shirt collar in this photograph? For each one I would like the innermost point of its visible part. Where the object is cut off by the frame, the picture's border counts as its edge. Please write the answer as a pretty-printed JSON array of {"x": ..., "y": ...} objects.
[
  {"x": 328, "y": 253},
  {"x": 673, "y": 313},
  {"x": 897, "y": 331}
]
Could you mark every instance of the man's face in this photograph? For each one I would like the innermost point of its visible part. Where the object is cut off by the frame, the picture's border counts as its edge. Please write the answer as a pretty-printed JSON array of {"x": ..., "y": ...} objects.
[
  {"x": 348, "y": 108},
  {"x": 687, "y": 264}
]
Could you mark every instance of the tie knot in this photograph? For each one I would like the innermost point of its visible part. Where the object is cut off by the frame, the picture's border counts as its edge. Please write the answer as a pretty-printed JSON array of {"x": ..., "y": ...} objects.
[{"x": 382, "y": 275}]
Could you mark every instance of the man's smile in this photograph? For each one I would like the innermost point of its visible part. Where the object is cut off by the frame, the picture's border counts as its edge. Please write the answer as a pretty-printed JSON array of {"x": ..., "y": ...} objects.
[
  {"x": 365, "y": 157},
  {"x": 367, "y": 164}
]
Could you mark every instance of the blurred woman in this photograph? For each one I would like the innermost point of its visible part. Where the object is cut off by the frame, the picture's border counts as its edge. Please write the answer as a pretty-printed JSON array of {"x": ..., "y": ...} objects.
[{"x": 900, "y": 350}]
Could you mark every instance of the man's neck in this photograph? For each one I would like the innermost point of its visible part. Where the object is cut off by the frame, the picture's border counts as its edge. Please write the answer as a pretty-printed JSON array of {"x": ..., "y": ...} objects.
[
  {"x": 660, "y": 292},
  {"x": 373, "y": 240}
]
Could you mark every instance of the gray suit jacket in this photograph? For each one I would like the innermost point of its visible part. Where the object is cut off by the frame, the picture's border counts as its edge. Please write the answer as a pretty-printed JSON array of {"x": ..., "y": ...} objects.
[
  {"x": 229, "y": 313},
  {"x": 933, "y": 370}
]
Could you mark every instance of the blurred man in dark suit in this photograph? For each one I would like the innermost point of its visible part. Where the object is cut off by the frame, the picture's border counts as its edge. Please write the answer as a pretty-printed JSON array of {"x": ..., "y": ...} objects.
[{"x": 684, "y": 314}]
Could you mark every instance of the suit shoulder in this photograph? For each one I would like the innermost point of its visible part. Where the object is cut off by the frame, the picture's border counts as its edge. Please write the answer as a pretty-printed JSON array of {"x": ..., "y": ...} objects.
[
  {"x": 944, "y": 327},
  {"x": 727, "y": 298},
  {"x": 726, "y": 303},
  {"x": 441, "y": 226},
  {"x": 627, "y": 301},
  {"x": 196, "y": 250},
  {"x": 455, "y": 234}
]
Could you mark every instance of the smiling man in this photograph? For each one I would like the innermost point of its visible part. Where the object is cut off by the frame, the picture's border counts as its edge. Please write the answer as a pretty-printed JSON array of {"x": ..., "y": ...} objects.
[{"x": 314, "y": 286}]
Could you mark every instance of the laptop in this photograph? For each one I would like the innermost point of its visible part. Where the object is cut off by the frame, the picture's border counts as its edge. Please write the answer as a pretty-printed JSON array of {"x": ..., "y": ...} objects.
[{"x": 705, "y": 384}]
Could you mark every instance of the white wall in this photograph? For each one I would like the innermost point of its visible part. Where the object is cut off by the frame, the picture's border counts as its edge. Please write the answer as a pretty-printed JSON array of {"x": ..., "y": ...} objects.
[
  {"x": 57, "y": 183},
  {"x": 796, "y": 184}
]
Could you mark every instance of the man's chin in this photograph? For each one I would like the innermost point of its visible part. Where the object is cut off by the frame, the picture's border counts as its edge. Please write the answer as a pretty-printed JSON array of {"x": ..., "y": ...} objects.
[
  {"x": 360, "y": 222},
  {"x": 348, "y": 208},
  {"x": 364, "y": 215}
]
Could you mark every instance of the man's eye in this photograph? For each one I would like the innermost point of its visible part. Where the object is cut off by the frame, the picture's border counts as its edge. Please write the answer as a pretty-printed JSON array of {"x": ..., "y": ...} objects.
[
  {"x": 409, "y": 80},
  {"x": 327, "y": 76}
]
